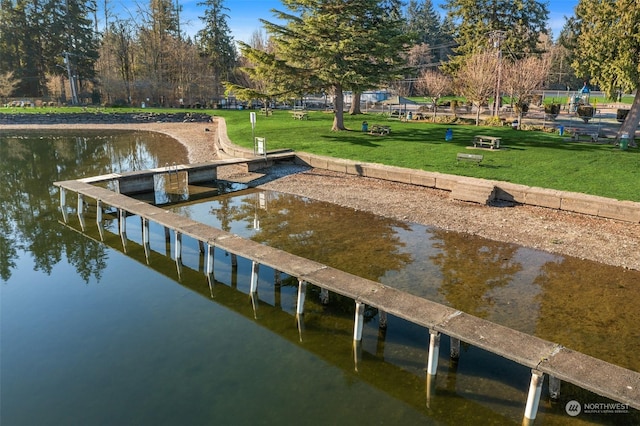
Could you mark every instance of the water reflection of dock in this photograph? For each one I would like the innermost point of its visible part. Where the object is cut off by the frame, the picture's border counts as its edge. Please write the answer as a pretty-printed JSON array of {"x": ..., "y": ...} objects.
[{"x": 541, "y": 356}]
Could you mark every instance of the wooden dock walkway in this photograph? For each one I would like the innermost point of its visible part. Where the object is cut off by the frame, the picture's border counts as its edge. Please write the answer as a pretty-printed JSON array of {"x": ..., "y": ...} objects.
[{"x": 543, "y": 357}]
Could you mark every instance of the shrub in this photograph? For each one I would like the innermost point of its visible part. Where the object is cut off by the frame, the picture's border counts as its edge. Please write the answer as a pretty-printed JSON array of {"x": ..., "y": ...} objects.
[
  {"x": 585, "y": 112},
  {"x": 552, "y": 110},
  {"x": 621, "y": 114},
  {"x": 493, "y": 122}
]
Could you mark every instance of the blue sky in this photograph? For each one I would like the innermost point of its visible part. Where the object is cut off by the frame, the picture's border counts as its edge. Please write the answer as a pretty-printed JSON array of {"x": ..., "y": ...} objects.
[{"x": 244, "y": 15}]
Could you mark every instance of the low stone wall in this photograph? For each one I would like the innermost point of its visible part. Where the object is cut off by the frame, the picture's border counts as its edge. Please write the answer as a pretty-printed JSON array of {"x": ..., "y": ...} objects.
[
  {"x": 609, "y": 208},
  {"x": 105, "y": 118}
]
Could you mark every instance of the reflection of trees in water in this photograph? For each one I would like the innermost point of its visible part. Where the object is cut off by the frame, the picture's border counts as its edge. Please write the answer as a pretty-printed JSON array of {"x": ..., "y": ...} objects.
[
  {"x": 591, "y": 308},
  {"x": 471, "y": 268},
  {"x": 30, "y": 162},
  {"x": 356, "y": 242}
]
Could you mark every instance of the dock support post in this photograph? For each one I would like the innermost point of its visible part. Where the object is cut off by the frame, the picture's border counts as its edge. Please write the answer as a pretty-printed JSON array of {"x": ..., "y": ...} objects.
[
  {"x": 81, "y": 210},
  {"x": 208, "y": 268},
  {"x": 122, "y": 221},
  {"x": 434, "y": 352},
  {"x": 324, "y": 296},
  {"x": 359, "y": 322},
  {"x": 167, "y": 241},
  {"x": 255, "y": 267},
  {"x": 80, "y": 204},
  {"x": 454, "y": 352},
  {"x": 382, "y": 319},
  {"x": 145, "y": 230},
  {"x": 533, "y": 399},
  {"x": 63, "y": 204},
  {"x": 302, "y": 292},
  {"x": 554, "y": 387},
  {"x": 178, "y": 247},
  {"x": 99, "y": 213}
]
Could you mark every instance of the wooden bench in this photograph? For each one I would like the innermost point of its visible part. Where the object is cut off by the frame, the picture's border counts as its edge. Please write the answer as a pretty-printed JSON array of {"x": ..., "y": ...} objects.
[
  {"x": 299, "y": 115},
  {"x": 472, "y": 158},
  {"x": 489, "y": 141},
  {"x": 380, "y": 130},
  {"x": 266, "y": 111}
]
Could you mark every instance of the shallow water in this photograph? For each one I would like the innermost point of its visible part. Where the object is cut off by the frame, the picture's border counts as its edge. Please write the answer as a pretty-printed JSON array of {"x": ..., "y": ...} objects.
[
  {"x": 94, "y": 331},
  {"x": 580, "y": 304}
]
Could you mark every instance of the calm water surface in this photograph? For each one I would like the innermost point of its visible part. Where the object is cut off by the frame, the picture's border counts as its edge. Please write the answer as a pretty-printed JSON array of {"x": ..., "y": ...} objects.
[{"x": 96, "y": 331}]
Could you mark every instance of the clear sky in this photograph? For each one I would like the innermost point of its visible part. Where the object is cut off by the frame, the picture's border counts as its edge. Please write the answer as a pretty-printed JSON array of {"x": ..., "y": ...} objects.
[{"x": 244, "y": 15}]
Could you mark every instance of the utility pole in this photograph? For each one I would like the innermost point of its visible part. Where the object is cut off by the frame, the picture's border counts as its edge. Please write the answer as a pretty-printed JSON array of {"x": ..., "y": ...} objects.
[
  {"x": 495, "y": 38},
  {"x": 72, "y": 79},
  {"x": 67, "y": 60}
]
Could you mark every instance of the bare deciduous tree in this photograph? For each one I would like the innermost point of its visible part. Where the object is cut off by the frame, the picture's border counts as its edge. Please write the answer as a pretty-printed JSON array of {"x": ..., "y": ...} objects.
[
  {"x": 435, "y": 85},
  {"x": 522, "y": 78},
  {"x": 7, "y": 84},
  {"x": 476, "y": 79}
]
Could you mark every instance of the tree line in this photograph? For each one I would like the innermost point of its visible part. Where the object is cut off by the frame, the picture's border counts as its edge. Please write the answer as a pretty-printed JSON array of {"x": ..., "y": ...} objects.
[{"x": 55, "y": 49}]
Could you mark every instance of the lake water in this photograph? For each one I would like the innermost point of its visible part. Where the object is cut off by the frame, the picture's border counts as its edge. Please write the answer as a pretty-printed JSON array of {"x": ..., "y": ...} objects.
[{"x": 94, "y": 331}]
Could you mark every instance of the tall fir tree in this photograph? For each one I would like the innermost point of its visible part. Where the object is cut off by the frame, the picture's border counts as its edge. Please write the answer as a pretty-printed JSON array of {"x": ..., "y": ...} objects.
[
  {"x": 423, "y": 22},
  {"x": 34, "y": 36},
  {"x": 216, "y": 43},
  {"x": 520, "y": 21},
  {"x": 332, "y": 46},
  {"x": 607, "y": 49}
]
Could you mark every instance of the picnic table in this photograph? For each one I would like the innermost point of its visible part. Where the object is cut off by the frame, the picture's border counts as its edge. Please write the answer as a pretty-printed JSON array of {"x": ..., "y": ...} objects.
[
  {"x": 266, "y": 111},
  {"x": 492, "y": 142},
  {"x": 379, "y": 129},
  {"x": 299, "y": 115},
  {"x": 577, "y": 133}
]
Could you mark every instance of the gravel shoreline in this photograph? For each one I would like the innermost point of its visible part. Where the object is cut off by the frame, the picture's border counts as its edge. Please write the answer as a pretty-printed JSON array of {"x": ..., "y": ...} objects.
[{"x": 606, "y": 241}]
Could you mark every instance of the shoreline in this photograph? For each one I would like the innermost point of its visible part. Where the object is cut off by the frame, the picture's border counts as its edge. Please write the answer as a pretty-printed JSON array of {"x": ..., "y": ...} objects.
[{"x": 606, "y": 241}]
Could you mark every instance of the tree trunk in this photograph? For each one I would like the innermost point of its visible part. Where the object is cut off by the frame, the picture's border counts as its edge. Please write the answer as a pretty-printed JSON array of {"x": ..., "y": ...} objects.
[
  {"x": 355, "y": 104},
  {"x": 478, "y": 114},
  {"x": 338, "y": 105},
  {"x": 519, "y": 118},
  {"x": 630, "y": 124},
  {"x": 435, "y": 108}
]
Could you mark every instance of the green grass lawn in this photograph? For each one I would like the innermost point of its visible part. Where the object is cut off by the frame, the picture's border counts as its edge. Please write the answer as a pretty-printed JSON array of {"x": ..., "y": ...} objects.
[{"x": 529, "y": 157}]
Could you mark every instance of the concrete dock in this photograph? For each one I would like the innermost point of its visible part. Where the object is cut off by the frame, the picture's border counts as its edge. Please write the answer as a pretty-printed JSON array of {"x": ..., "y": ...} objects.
[{"x": 543, "y": 357}]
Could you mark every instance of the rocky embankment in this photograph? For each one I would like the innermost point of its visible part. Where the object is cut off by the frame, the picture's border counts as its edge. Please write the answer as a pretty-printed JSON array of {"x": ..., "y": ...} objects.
[{"x": 104, "y": 118}]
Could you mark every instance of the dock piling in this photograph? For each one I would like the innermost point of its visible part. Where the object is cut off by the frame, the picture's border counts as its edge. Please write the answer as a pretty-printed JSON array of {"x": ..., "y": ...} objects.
[
  {"x": 359, "y": 322},
  {"x": 255, "y": 267},
  {"x": 178, "y": 246},
  {"x": 434, "y": 352},
  {"x": 302, "y": 291},
  {"x": 81, "y": 210},
  {"x": 454, "y": 352},
  {"x": 554, "y": 387},
  {"x": 382, "y": 319},
  {"x": 324, "y": 296},
  {"x": 122, "y": 221},
  {"x": 533, "y": 399},
  {"x": 209, "y": 259}
]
